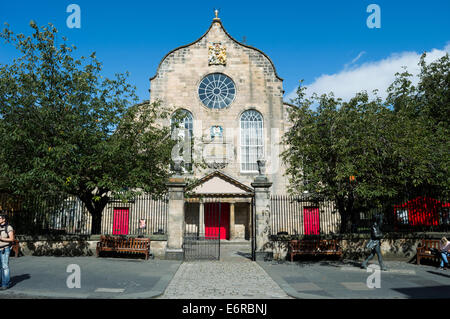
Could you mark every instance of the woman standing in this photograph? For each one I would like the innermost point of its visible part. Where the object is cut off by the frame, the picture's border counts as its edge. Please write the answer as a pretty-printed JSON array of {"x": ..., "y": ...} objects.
[{"x": 444, "y": 249}]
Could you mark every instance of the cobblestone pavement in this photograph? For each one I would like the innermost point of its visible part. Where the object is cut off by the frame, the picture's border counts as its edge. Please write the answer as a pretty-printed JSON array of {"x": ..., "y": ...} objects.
[{"x": 235, "y": 276}]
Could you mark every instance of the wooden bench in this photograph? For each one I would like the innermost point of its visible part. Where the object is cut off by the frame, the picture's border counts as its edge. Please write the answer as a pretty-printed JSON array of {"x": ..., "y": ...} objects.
[
  {"x": 423, "y": 250},
  {"x": 124, "y": 245},
  {"x": 16, "y": 248},
  {"x": 314, "y": 247}
]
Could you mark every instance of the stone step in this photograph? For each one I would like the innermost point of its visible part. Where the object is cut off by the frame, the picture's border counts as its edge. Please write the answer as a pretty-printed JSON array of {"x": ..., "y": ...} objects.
[{"x": 236, "y": 242}]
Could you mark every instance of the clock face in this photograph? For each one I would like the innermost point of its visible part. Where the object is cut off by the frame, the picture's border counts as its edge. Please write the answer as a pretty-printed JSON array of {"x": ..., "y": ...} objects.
[{"x": 216, "y": 91}]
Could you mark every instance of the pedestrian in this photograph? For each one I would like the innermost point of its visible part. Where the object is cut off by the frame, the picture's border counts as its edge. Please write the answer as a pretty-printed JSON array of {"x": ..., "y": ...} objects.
[
  {"x": 444, "y": 250},
  {"x": 375, "y": 242},
  {"x": 6, "y": 241}
]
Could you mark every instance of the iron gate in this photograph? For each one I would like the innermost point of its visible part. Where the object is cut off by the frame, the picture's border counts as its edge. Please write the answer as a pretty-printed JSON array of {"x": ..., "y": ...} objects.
[
  {"x": 204, "y": 227},
  {"x": 207, "y": 222}
]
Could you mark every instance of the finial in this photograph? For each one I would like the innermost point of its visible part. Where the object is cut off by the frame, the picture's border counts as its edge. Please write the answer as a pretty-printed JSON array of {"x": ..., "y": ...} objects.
[{"x": 216, "y": 12}]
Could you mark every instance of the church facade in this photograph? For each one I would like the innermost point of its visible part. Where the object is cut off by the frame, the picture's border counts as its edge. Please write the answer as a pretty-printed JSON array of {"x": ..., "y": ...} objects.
[{"x": 231, "y": 100}]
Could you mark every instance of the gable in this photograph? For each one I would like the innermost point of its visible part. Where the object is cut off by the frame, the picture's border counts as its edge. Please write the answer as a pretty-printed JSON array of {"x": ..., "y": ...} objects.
[{"x": 218, "y": 183}]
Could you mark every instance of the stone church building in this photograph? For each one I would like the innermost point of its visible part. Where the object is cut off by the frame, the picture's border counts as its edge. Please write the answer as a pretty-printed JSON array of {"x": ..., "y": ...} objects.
[{"x": 231, "y": 99}]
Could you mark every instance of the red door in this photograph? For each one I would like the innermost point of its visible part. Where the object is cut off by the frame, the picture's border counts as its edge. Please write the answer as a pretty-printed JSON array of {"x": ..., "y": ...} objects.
[
  {"x": 121, "y": 220},
  {"x": 311, "y": 220},
  {"x": 217, "y": 220}
]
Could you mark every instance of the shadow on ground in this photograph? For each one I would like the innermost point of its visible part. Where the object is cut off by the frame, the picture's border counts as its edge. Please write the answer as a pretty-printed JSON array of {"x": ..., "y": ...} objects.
[
  {"x": 16, "y": 279},
  {"x": 318, "y": 260},
  {"x": 425, "y": 292}
]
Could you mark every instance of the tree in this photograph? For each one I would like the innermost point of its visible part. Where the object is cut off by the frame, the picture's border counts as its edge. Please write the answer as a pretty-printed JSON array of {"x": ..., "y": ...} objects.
[
  {"x": 340, "y": 151},
  {"x": 363, "y": 153},
  {"x": 66, "y": 129},
  {"x": 422, "y": 112}
]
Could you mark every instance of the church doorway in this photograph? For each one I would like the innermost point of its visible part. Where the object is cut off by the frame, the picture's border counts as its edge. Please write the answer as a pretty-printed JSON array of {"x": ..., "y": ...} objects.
[{"x": 217, "y": 220}]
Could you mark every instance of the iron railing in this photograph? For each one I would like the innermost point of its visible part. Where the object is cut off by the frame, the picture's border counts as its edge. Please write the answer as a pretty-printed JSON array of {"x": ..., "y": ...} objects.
[
  {"x": 68, "y": 215},
  {"x": 303, "y": 215},
  {"x": 309, "y": 215}
]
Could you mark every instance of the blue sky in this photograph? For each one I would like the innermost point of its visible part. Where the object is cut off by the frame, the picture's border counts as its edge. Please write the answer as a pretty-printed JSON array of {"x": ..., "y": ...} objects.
[{"x": 326, "y": 43}]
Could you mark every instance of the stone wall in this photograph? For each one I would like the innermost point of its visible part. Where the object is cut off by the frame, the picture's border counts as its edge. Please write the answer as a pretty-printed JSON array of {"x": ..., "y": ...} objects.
[
  {"x": 74, "y": 246},
  {"x": 393, "y": 246},
  {"x": 258, "y": 87}
]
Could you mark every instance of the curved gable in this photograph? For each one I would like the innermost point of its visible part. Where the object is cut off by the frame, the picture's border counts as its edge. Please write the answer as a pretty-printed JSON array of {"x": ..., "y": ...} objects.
[{"x": 219, "y": 22}]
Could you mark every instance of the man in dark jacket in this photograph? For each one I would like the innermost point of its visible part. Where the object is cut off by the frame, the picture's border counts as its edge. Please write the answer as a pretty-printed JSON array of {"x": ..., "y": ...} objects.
[{"x": 375, "y": 242}]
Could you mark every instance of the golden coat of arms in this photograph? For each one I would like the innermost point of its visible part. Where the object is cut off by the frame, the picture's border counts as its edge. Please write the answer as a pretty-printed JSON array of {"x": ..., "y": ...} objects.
[{"x": 217, "y": 54}]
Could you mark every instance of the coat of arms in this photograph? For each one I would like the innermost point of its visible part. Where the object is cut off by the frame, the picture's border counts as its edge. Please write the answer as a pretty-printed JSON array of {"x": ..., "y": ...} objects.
[
  {"x": 217, "y": 54},
  {"x": 216, "y": 131}
]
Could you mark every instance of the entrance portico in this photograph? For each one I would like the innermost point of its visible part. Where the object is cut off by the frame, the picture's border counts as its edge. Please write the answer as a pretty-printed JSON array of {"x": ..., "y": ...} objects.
[{"x": 204, "y": 215}]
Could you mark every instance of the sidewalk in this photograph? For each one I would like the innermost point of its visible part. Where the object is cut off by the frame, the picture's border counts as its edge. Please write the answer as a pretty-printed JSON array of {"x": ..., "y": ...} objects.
[
  {"x": 235, "y": 276},
  {"x": 346, "y": 280},
  {"x": 104, "y": 278}
]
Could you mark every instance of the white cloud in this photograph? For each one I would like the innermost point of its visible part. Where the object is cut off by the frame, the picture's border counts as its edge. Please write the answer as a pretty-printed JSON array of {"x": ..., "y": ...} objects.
[
  {"x": 370, "y": 75},
  {"x": 355, "y": 59}
]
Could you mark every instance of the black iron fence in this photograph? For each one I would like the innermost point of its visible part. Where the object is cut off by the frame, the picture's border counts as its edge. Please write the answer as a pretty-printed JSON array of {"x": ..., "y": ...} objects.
[
  {"x": 46, "y": 215},
  {"x": 68, "y": 215},
  {"x": 290, "y": 215},
  {"x": 303, "y": 215},
  {"x": 143, "y": 215},
  {"x": 307, "y": 215}
]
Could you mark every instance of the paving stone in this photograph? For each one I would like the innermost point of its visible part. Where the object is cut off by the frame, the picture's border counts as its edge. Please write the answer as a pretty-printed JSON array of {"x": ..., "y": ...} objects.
[{"x": 234, "y": 276}]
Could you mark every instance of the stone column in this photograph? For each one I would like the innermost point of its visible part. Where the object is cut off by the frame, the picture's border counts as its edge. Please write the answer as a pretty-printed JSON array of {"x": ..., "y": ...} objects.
[
  {"x": 174, "y": 248},
  {"x": 201, "y": 218},
  {"x": 250, "y": 221},
  {"x": 261, "y": 186},
  {"x": 232, "y": 222}
]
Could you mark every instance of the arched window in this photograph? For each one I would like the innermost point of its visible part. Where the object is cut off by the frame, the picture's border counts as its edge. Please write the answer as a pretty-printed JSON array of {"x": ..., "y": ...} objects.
[
  {"x": 252, "y": 142},
  {"x": 182, "y": 122},
  {"x": 182, "y": 119}
]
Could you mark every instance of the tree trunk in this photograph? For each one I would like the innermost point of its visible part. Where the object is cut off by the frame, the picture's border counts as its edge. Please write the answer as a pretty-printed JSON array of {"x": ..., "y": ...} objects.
[
  {"x": 350, "y": 213},
  {"x": 344, "y": 216},
  {"x": 95, "y": 208},
  {"x": 348, "y": 216},
  {"x": 96, "y": 227}
]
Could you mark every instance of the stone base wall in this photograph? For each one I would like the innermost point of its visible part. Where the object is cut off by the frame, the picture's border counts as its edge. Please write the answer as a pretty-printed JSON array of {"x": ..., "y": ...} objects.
[
  {"x": 66, "y": 247},
  {"x": 395, "y": 246},
  {"x": 58, "y": 248}
]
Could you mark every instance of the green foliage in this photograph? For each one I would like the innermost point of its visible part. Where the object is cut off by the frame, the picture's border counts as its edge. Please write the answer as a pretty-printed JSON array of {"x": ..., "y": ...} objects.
[
  {"x": 66, "y": 129},
  {"x": 423, "y": 114},
  {"x": 364, "y": 152}
]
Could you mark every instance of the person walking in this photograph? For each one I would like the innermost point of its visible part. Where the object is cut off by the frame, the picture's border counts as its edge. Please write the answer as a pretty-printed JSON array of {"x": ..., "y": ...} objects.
[
  {"x": 374, "y": 244},
  {"x": 6, "y": 241},
  {"x": 444, "y": 250}
]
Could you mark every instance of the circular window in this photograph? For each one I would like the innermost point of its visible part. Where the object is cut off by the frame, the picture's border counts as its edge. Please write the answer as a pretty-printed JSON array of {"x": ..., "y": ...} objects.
[{"x": 216, "y": 91}]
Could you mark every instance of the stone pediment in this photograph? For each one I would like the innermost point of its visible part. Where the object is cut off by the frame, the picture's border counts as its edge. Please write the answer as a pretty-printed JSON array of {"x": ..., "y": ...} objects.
[{"x": 218, "y": 183}]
